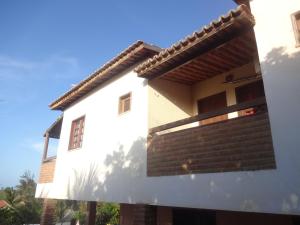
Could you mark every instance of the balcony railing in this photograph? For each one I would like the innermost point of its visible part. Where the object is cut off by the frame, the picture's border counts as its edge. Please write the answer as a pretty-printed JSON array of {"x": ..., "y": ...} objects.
[{"x": 239, "y": 144}]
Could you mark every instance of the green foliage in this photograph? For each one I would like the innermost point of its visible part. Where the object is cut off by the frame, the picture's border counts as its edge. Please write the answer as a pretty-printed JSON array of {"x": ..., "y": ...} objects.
[
  {"x": 2, "y": 194},
  {"x": 60, "y": 210},
  {"x": 80, "y": 213},
  {"x": 64, "y": 207},
  {"x": 26, "y": 187},
  {"x": 9, "y": 216},
  {"x": 31, "y": 208},
  {"x": 11, "y": 197},
  {"x": 107, "y": 213},
  {"x": 23, "y": 207}
]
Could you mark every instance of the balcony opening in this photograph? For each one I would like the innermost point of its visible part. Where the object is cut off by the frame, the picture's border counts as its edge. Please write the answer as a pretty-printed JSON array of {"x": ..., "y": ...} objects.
[
  {"x": 52, "y": 136},
  {"x": 224, "y": 76},
  {"x": 52, "y": 148},
  {"x": 207, "y": 110}
]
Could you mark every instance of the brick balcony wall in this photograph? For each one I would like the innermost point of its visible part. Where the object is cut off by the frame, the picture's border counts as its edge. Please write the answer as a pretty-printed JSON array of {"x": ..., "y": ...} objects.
[
  {"x": 47, "y": 171},
  {"x": 240, "y": 144},
  {"x": 48, "y": 215}
]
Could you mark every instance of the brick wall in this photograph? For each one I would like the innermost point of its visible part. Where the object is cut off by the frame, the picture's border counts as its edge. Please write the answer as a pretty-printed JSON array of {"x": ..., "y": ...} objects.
[
  {"x": 144, "y": 215},
  {"x": 47, "y": 171},
  {"x": 238, "y": 144},
  {"x": 137, "y": 214},
  {"x": 48, "y": 215}
]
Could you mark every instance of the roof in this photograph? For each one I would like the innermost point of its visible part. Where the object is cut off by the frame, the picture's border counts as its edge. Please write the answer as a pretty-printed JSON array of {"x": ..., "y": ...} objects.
[
  {"x": 3, "y": 204},
  {"x": 245, "y": 2},
  {"x": 130, "y": 56},
  {"x": 55, "y": 128},
  {"x": 216, "y": 33}
]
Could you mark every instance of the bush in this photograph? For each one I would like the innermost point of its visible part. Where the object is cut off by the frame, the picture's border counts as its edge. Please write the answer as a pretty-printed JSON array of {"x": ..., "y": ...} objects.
[{"x": 107, "y": 213}]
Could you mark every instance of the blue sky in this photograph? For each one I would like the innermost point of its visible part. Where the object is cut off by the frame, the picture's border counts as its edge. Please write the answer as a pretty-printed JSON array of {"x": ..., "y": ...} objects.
[{"x": 46, "y": 46}]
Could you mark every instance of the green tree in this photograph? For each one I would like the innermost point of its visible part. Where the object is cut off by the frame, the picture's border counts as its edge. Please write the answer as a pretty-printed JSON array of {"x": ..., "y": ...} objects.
[
  {"x": 60, "y": 210},
  {"x": 65, "y": 210},
  {"x": 11, "y": 214},
  {"x": 2, "y": 194},
  {"x": 11, "y": 197},
  {"x": 80, "y": 213},
  {"x": 23, "y": 207},
  {"x": 9, "y": 217},
  {"x": 107, "y": 213},
  {"x": 31, "y": 208}
]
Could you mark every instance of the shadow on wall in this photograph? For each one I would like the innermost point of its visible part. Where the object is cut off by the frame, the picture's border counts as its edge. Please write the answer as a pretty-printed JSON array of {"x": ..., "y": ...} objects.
[
  {"x": 281, "y": 75},
  {"x": 123, "y": 177}
]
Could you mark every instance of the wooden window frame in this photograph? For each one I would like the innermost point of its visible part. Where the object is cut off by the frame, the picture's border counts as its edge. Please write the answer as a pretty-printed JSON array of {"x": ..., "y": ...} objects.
[
  {"x": 295, "y": 16},
  {"x": 81, "y": 133},
  {"x": 215, "y": 119},
  {"x": 238, "y": 93},
  {"x": 122, "y": 100}
]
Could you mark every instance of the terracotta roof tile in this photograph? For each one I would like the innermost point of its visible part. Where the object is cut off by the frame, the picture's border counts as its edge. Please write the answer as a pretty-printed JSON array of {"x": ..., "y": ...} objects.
[
  {"x": 3, "y": 204},
  {"x": 194, "y": 38}
]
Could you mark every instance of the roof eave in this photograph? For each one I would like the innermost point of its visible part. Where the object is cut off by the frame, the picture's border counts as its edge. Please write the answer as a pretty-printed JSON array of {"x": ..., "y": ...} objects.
[
  {"x": 88, "y": 84},
  {"x": 153, "y": 67}
]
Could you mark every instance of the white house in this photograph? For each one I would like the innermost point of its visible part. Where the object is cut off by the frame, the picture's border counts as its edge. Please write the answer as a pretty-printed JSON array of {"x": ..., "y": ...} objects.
[{"x": 203, "y": 132}]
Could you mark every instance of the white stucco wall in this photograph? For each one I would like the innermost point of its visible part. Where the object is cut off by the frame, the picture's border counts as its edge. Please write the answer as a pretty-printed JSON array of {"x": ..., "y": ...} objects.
[
  {"x": 168, "y": 102},
  {"x": 280, "y": 62},
  {"x": 111, "y": 165},
  {"x": 84, "y": 173}
]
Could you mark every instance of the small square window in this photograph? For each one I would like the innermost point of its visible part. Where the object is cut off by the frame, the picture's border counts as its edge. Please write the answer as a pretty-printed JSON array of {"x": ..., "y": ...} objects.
[
  {"x": 125, "y": 103},
  {"x": 76, "y": 135},
  {"x": 296, "y": 26}
]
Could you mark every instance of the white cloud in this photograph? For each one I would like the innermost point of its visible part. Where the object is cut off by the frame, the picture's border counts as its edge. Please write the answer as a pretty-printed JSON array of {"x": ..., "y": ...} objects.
[
  {"x": 56, "y": 66},
  {"x": 38, "y": 147},
  {"x": 22, "y": 81},
  {"x": 6, "y": 61}
]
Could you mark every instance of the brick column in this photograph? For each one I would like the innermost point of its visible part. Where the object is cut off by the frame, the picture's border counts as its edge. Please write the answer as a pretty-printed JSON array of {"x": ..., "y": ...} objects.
[
  {"x": 48, "y": 214},
  {"x": 144, "y": 215},
  {"x": 91, "y": 213}
]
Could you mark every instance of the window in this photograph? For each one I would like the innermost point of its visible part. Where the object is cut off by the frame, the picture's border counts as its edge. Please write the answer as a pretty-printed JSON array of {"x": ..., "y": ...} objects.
[
  {"x": 249, "y": 92},
  {"x": 125, "y": 103},
  {"x": 76, "y": 133},
  {"x": 212, "y": 103},
  {"x": 296, "y": 25}
]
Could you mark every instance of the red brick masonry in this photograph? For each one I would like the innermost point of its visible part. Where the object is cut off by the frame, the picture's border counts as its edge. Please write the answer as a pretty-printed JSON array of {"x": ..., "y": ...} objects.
[
  {"x": 47, "y": 171},
  {"x": 239, "y": 144},
  {"x": 48, "y": 215}
]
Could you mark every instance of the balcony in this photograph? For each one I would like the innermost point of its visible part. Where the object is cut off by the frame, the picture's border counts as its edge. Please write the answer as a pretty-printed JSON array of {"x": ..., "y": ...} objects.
[
  {"x": 207, "y": 108},
  {"x": 243, "y": 143},
  {"x": 49, "y": 157}
]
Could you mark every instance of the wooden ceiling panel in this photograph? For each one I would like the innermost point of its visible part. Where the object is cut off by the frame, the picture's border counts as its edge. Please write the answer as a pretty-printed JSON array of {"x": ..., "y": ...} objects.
[{"x": 230, "y": 55}]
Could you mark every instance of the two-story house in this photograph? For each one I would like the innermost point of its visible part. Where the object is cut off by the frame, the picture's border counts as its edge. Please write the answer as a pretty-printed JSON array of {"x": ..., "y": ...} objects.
[{"x": 204, "y": 132}]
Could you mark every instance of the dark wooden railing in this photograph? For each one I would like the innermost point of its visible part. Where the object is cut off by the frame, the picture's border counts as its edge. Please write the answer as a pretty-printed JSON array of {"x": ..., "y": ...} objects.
[
  {"x": 257, "y": 103},
  {"x": 243, "y": 143}
]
